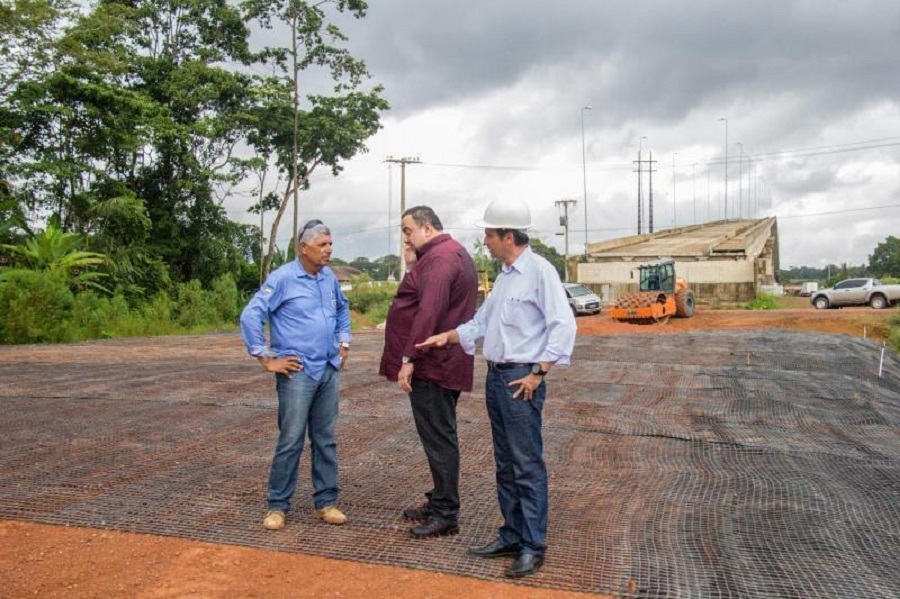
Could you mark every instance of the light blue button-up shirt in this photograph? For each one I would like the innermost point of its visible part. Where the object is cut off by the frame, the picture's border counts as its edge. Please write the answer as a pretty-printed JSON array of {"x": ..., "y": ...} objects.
[
  {"x": 526, "y": 318},
  {"x": 308, "y": 317}
]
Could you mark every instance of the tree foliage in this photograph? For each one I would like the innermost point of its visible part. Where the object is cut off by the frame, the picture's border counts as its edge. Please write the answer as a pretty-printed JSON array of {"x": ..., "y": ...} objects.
[
  {"x": 122, "y": 120},
  {"x": 306, "y": 131},
  {"x": 553, "y": 257},
  {"x": 885, "y": 259},
  {"x": 53, "y": 250}
]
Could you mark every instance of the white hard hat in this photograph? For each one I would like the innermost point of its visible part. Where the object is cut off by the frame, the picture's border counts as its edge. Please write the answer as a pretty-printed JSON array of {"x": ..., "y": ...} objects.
[{"x": 506, "y": 214}]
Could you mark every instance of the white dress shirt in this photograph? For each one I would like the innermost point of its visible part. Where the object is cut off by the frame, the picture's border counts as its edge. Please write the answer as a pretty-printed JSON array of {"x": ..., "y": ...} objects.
[{"x": 526, "y": 317}]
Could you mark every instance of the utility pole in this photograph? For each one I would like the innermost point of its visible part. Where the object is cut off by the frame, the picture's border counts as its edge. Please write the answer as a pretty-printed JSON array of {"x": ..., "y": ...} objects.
[
  {"x": 564, "y": 221},
  {"x": 387, "y": 275},
  {"x": 640, "y": 205},
  {"x": 640, "y": 171},
  {"x": 640, "y": 196},
  {"x": 402, "y": 162}
]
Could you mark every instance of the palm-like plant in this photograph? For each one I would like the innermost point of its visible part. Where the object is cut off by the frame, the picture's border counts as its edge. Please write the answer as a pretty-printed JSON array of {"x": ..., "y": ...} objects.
[{"x": 54, "y": 250}]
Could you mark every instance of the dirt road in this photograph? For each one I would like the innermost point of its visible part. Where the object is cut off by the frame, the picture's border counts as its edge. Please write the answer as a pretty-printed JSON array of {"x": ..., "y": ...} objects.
[{"x": 52, "y": 561}]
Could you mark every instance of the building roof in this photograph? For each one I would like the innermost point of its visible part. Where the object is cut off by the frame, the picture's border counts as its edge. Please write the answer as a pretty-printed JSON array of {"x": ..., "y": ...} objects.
[
  {"x": 725, "y": 238},
  {"x": 345, "y": 273}
]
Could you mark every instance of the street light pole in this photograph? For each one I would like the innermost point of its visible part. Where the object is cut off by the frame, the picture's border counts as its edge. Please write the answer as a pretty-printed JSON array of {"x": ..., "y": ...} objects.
[
  {"x": 741, "y": 181},
  {"x": 674, "y": 206},
  {"x": 584, "y": 177},
  {"x": 726, "y": 165},
  {"x": 694, "y": 183}
]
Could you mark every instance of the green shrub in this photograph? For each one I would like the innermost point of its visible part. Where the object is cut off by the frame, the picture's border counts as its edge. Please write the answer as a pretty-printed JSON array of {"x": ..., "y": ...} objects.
[
  {"x": 893, "y": 340},
  {"x": 378, "y": 311},
  {"x": 158, "y": 313},
  {"x": 90, "y": 316},
  {"x": 366, "y": 296},
  {"x": 226, "y": 299},
  {"x": 763, "y": 301},
  {"x": 35, "y": 307},
  {"x": 194, "y": 306}
]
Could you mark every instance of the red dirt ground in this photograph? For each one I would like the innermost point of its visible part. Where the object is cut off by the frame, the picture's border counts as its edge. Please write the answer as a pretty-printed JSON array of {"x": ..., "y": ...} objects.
[{"x": 57, "y": 561}]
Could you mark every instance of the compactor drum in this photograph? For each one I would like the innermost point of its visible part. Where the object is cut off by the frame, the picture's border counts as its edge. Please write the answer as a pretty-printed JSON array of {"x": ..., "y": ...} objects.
[{"x": 661, "y": 296}]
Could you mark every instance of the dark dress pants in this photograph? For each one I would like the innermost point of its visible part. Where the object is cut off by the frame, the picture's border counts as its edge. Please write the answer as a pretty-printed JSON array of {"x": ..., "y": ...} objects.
[{"x": 434, "y": 410}]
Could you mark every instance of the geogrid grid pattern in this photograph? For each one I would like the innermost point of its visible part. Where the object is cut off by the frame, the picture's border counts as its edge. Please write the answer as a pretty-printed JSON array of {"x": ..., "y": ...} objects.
[{"x": 703, "y": 464}]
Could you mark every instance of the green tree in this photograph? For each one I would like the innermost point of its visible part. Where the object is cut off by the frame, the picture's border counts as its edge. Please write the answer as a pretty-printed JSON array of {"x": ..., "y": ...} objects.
[
  {"x": 484, "y": 263},
  {"x": 552, "y": 256},
  {"x": 885, "y": 259},
  {"x": 326, "y": 129},
  {"x": 13, "y": 226},
  {"x": 141, "y": 103}
]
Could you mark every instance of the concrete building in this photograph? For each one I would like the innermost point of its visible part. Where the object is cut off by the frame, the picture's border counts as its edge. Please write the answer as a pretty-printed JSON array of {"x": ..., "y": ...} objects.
[{"x": 725, "y": 262}]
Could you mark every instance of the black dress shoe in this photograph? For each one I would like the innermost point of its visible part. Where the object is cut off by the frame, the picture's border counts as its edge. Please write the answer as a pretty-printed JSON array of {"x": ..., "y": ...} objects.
[
  {"x": 434, "y": 527},
  {"x": 527, "y": 563},
  {"x": 418, "y": 513},
  {"x": 494, "y": 549}
]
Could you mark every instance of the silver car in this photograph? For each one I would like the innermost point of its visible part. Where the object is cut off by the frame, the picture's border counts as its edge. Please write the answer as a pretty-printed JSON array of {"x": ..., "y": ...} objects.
[{"x": 581, "y": 299}]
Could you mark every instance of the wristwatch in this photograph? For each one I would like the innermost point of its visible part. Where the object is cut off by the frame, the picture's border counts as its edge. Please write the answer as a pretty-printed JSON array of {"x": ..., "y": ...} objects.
[
  {"x": 344, "y": 344},
  {"x": 536, "y": 369},
  {"x": 406, "y": 359}
]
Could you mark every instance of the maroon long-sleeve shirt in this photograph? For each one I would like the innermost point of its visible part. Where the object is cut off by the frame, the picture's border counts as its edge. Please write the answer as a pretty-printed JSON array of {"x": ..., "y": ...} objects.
[{"x": 436, "y": 295}]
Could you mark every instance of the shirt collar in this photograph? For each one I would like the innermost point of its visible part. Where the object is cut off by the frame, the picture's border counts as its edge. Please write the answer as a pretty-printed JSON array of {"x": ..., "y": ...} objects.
[
  {"x": 433, "y": 242},
  {"x": 521, "y": 262},
  {"x": 301, "y": 272}
]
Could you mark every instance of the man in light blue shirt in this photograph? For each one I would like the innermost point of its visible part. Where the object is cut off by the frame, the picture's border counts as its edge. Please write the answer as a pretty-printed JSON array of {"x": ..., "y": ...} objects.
[
  {"x": 309, "y": 338},
  {"x": 527, "y": 327}
]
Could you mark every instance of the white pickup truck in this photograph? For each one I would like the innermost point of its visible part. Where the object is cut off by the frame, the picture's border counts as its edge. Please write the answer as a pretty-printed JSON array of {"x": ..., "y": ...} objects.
[{"x": 856, "y": 292}]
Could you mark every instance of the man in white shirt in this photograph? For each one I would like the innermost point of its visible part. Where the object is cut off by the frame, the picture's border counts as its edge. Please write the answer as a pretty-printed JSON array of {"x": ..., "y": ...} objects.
[{"x": 527, "y": 327}]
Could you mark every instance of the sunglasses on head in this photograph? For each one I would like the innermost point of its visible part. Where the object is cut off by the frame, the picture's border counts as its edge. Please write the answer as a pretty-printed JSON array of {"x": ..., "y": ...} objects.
[{"x": 310, "y": 224}]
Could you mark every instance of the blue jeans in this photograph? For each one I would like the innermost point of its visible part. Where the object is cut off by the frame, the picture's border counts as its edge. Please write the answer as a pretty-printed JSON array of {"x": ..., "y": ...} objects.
[
  {"x": 305, "y": 404},
  {"x": 519, "y": 458}
]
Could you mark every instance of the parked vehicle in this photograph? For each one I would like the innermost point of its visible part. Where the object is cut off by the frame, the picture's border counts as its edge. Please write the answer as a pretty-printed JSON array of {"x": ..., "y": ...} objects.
[
  {"x": 856, "y": 292},
  {"x": 808, "y": 288},
  {"x": 581, "y": 299}
]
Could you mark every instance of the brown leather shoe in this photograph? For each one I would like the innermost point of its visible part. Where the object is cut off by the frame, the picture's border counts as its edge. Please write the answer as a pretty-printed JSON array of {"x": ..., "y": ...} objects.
[
  {"x": 331, "y": 515},
  {"x": 274, "y": 520},
  {"x": 434, "y": 527}
]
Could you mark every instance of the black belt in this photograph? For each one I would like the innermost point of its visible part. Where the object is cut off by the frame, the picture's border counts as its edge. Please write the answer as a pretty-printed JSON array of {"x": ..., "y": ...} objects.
[{"x": 492, "y": 366}]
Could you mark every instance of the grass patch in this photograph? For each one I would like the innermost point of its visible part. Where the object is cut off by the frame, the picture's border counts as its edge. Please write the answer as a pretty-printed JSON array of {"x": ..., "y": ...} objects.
[{"x": 763, "y": 301}]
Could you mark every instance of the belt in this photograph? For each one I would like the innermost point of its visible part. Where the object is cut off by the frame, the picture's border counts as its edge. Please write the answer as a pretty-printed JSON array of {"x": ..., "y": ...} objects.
[{"x": 492, "y": 366}]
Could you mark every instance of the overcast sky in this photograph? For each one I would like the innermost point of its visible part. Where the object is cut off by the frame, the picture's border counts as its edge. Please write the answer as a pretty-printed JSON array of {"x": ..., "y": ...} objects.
[{"x": 490, "y": 96}]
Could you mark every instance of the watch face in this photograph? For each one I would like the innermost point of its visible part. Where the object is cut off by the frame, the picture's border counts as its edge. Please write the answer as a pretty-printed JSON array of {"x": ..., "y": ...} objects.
[{"x": 535, "y": 369}]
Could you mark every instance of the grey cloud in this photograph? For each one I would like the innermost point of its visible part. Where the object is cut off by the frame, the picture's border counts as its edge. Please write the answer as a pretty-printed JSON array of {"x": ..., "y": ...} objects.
[{"x": 664, "y": 58}]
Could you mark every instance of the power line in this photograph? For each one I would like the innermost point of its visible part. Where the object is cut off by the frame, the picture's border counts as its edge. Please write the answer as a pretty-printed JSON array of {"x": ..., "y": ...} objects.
[
  {"x": 870, "y": 144},
  {"x": 887, "y": 206}
]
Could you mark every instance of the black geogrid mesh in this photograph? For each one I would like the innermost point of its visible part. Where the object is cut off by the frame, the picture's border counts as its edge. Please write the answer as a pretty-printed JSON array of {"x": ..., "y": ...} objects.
[{"x": 706, "y": 464}]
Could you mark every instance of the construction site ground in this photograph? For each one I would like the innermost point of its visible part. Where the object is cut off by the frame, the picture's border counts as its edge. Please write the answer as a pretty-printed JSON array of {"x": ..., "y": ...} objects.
[{"x": 75, "y": 527}]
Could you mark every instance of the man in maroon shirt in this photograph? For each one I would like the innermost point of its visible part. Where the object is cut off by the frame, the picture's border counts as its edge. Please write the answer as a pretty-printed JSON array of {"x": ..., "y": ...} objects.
[{"x": 436, "y": 294}]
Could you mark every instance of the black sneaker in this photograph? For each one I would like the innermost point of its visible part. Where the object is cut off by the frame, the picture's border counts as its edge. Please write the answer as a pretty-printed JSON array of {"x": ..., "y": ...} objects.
[
  {"x": 418, "y": 513},
  {"x": 434, "y": 527}
]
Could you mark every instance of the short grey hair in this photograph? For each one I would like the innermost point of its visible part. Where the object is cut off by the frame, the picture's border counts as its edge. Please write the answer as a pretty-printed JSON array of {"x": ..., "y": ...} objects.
[{"x": 311, "y": 230}]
